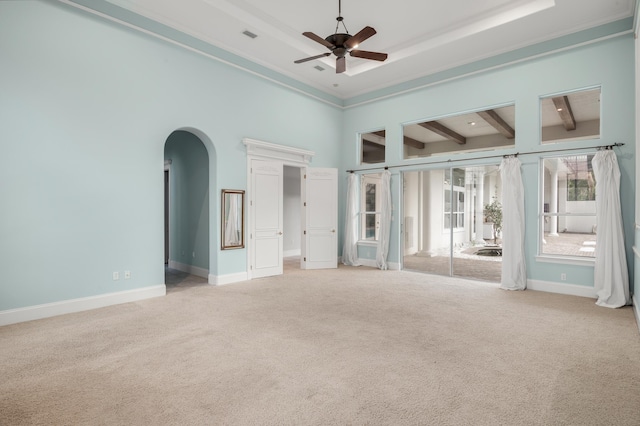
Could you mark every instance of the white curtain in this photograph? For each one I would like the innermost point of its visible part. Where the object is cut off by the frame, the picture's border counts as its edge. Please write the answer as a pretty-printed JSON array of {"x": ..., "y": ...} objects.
[
  {"x": 514, "y": 274},
  {"x": 350, "y": 248},
  {"x": 385, "y": 221},
  {"x": 611, "y": 280}
]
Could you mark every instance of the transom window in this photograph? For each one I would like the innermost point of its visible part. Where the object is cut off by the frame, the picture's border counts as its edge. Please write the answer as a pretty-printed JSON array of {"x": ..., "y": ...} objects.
[
  {"x": 570, "y": 116},
  {"x": 372, "y": 147}
]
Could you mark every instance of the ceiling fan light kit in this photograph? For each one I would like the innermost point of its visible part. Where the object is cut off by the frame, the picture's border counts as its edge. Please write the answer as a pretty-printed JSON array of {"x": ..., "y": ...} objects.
[{"x": 341, "y": 44}]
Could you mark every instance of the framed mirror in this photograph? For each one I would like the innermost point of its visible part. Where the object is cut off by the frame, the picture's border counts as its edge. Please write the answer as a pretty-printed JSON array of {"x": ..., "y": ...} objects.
[{"x": 232, "y": 219}]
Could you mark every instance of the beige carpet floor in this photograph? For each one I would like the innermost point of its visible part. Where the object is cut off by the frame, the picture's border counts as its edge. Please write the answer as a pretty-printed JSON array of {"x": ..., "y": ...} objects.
[{"x": 347, "y": 346}]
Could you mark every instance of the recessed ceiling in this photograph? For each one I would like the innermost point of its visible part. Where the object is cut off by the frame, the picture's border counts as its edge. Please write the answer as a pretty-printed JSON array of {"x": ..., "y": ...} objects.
[{"x": 420, "y": 37}]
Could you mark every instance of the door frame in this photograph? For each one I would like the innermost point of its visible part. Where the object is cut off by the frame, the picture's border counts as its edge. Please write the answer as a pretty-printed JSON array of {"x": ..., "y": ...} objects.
[
  {"x": 167, "y": 205},
  {"x": 260, "y": 150}
]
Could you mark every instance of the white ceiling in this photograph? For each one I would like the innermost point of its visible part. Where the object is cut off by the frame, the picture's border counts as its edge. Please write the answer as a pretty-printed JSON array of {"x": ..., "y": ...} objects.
[{"x": 421, "y": 37}]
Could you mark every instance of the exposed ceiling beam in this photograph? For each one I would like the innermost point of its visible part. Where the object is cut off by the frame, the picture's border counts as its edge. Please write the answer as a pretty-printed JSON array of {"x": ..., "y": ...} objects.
[
  {"x": 413, "y": 143},
  {"x": 372, "y": 152},
  {"x": 492, "y": 117},
  {"x": 444, "y": 131},
  {"x": 564, "y": 111},
  {"x": 406, "y": 140},
  {"x": 372, "y": 146}
]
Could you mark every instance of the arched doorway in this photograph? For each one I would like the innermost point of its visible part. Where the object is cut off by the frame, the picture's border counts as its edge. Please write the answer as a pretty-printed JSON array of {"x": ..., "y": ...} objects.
[{"x": 187, "y": 209}]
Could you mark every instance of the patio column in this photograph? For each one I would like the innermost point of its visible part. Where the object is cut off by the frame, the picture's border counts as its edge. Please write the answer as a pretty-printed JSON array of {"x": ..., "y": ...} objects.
[
  {"x": 479, "y": 207},
  {"x": 553, "y": 202},
  {"x": 425, "y": 214}
]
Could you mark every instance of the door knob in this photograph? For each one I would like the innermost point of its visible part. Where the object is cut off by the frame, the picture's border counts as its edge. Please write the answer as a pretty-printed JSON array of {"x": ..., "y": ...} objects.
[
  {"x": 333, "y": 230},
  {"x": 280, "y": 233}
]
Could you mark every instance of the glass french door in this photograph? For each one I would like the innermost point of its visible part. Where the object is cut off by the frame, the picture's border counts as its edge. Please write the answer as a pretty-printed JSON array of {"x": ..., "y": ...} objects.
[{"x": 452, "y": 222}]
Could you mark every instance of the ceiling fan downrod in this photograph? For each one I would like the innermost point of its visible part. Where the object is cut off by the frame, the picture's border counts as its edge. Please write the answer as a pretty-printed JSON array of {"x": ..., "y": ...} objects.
[{"x": 340, "y": 19}]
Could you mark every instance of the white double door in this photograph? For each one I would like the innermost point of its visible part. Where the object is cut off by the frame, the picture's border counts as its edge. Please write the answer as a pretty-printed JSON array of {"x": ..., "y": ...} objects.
[{"x": 319, "y": 218}]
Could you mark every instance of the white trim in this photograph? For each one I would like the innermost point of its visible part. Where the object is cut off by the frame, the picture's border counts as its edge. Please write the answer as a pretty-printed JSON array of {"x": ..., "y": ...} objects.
[
  {"x": 228, "y": 279},
  {"x": 190, "y": 269},
  {"x": 636, "y": 310},
  {"x": 367, "y": 243},
  {"x": 291, "y": 253},
  {"x": 567, "y": 260},
  {"x": 570, "y": 289},
  {"x": 47, "y": 310},
  {"x": 272, "y": 151},
  {"x": 393, "y": 266},
  {"x": 636, "y": 251}
]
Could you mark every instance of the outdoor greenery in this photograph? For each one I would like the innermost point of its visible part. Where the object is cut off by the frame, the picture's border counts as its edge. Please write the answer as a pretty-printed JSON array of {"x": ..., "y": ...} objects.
[{"x": 493, "y": 214}]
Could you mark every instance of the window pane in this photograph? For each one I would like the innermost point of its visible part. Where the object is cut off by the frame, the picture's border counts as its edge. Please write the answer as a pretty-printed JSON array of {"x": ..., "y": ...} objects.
[
  {"x": 447, "y": 200},
  {"x": 370, "y": 201},
  {"x": 369, "y": 205},
  {"x": 370, "y": 226},
  {"x": 569, "y": 208}
]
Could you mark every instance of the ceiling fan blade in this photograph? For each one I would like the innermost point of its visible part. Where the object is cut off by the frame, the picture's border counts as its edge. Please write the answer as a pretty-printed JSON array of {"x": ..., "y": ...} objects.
[
  {"x": 319, "y": 39},
  {"x": 299, "y": 61},
  {"x": 355, "y": 40},
  {"x": 341, "y": 65},
  {"x": 376, "y": 56}
]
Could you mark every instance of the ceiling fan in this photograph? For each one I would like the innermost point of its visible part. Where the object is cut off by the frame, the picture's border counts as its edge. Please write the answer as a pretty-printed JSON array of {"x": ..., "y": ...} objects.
[{"x": 342, "y": 43}]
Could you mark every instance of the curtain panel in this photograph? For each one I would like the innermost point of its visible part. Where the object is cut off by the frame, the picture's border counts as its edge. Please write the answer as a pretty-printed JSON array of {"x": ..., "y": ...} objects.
[
  {"x": 350, "y": 247},
  {"x": 385, "y": 221},
  {"x": 514, "y": 275},
  {"x": 611, "y": 279}
]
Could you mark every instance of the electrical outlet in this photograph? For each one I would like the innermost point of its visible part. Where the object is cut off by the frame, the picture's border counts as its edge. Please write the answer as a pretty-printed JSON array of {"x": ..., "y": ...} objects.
[
  {"x": 563, "y": 277},
  {"x": 116, "y": 276},
  {"x": 127, "y": 275}
]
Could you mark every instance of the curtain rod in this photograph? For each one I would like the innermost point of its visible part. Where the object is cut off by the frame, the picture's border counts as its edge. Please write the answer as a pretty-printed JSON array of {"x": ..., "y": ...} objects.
[{"x": 603, "y": 147}]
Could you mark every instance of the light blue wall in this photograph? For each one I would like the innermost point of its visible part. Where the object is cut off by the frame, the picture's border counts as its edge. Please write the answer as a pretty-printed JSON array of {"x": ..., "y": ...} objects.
[
  {"x": 189, "y": 199},
  {"x": 86, "y": 106},
  {"x": 608, "y": 63}
]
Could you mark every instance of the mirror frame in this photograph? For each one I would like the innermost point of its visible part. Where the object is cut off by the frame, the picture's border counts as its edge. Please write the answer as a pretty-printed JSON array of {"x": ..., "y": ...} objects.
[{"x": 239, "y": 219}]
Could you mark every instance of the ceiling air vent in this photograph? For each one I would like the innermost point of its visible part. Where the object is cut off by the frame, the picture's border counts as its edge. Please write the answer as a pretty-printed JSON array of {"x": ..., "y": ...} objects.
[
  {"x": 319, "y": 68},
  {"x": 249, "y": 34}
]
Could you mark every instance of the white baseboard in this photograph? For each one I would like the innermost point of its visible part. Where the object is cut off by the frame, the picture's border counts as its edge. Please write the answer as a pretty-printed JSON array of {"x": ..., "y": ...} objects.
[
  {"x": 393, "y": 266},
  {"x": 189, "y": 269},
  {"x": 228, "y": 279},
  {"x": 636, "y": 310},
  {"x": 570, "y": 289},
  {"x": 46, "y": 310},
  {"x": 291, "y": 253}
]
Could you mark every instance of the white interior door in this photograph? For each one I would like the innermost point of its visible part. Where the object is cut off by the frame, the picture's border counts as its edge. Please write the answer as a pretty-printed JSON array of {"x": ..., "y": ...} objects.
[
  {"x": 319, "y": 218},
  {"x": 266, "y": 218}
]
